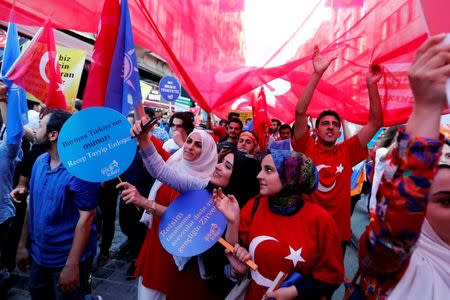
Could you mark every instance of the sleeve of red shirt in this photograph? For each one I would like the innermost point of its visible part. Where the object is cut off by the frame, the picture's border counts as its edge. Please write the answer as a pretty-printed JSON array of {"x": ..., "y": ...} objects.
[
  {"x": 305, "y": 144},
  {"x": 330, "y": 265},
  {"x": 356, "y": 151},
  {"x": 388, "y": 242},
  {"x": 159, "y": 147},
  {"x": 245, "y": 222}
]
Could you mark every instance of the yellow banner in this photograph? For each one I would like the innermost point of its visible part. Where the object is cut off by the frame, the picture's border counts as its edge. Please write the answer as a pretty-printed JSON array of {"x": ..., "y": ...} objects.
[{"x": 71, "y": 63}]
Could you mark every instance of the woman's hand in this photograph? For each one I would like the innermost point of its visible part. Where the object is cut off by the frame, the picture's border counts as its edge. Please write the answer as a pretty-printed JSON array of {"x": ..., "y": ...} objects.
[
  {"x": 227, "y": 205},
  {"x": 285, "y": 293},
  {"x": 237, "y": 259},
  {"x": 131, "y": 195},
  {"x": 142, "y": 134}
]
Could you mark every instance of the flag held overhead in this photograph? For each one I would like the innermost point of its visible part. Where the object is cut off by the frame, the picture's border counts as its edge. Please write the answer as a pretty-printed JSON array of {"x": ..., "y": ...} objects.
[
  {"x": 37, "y": 70},
  {"x": 124, "y": 91},
  {"x": 16, "y": 116}
]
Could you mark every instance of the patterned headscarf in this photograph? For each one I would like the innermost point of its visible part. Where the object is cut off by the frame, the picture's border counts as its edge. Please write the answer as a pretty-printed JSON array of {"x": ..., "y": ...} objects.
[{"x": 298, "y": 176}]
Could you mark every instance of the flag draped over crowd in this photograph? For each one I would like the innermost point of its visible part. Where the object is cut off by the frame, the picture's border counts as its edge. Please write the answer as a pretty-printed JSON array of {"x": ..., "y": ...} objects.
[{"x": 223, "y": 51}]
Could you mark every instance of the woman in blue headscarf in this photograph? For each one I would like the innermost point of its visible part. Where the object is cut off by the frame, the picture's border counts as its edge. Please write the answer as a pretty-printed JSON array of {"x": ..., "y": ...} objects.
[{"x": 283, "y": 233}]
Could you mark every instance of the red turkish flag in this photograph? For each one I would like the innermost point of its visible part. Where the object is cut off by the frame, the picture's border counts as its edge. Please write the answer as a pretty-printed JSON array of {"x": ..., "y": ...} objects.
[
  {"x": 37, "y": 70},
  {"x": 95, "y": 91},
  {"x": 261, "y": 120}
]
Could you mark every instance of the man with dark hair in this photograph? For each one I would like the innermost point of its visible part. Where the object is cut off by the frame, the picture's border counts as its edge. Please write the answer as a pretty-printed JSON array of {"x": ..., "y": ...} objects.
[
  {"x": 335, "y": 161},
  {"x": 77, "y": 105},
  {"x": 285, "y": 132},
  {"x": 34, "y": 108},
  {"x": 233, "y": 115},
  {"x": 274, "y": 131},
  {"x": 59, "y": 232},
  {"x": 228, "y": 144},
  {"x": 182, "y": 124},
  {"x": 164, "y": 122}
]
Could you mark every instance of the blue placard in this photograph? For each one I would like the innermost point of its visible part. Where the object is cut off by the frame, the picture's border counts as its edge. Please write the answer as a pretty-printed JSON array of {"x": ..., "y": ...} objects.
[
  {"x": 169, "y": 88},
  {"x": 191, "y": 224},
  {"x": 95, "y": 144}
]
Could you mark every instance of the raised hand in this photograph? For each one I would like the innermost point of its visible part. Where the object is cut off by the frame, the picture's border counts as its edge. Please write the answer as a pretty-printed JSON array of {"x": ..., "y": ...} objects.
[
  {"x": 178, "y": 138},
  {"x": 321, "y": 63},
  {"x": 374, "y": 74},
  {"x": 429, "y": 73},
  {"x": 227, "y": 205}
]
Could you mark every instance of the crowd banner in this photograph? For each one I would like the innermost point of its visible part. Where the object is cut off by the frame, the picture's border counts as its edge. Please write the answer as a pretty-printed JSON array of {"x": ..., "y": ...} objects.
[
  {"x": 191, "y": 224},
  {"x": 95, "y": 144}
]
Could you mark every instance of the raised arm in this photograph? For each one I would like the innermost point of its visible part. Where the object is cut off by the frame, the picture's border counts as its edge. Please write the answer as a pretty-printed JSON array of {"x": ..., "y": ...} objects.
[
  {"x": 375, "y": 110},
  {"x": 158, "y": 169},
  {"x": 155, "y": 164},
  {"x": 387, "y": 244},
  {"x": 320, "y": 65}
]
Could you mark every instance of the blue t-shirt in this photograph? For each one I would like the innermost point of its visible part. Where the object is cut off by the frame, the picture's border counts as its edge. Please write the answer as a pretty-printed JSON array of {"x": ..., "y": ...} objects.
[{"x": 55, "y": 198}]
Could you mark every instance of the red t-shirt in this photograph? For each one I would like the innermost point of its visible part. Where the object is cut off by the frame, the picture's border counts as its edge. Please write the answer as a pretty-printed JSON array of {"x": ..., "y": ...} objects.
[
  {"x": 307, "y": 242},
  {"x": 335, "y": 170}
]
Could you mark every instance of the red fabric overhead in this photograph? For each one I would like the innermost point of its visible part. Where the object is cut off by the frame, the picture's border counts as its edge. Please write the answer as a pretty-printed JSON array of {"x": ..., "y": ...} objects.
[{"x": 222, "y": 55}]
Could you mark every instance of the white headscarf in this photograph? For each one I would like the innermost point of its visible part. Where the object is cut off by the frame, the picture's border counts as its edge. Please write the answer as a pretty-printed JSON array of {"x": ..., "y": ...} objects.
[
  {"x": 202, "y": 168},
  {"x": 428, "y": 273}
]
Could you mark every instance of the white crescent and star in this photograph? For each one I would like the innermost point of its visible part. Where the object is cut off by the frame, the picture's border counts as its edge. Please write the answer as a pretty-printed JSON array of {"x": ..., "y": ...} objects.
[
  {"x": 294, "y": 256},
  {"x": 325, "y": 189},
  {"x": 42, "y": 64}
]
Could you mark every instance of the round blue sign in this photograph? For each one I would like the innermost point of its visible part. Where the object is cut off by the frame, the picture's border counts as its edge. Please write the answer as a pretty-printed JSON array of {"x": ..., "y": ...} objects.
[
  {"x": 95, "y": 144},
  {"x": 191, "y": 224},
  {"x": 169, "y": 88}
]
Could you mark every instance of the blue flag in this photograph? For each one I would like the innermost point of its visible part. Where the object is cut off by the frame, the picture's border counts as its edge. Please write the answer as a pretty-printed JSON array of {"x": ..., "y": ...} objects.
[
  {"x": 16, "y": 116},
  {"x": 123, "y": 92}
]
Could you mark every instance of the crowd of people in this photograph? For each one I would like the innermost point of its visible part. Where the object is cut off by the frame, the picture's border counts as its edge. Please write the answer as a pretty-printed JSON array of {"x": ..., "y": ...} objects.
[{"x": 286, "y": 199}]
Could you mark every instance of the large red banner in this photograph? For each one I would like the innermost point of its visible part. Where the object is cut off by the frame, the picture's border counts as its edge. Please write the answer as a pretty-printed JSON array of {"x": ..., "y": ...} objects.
[{"x": 223, "y": 51}]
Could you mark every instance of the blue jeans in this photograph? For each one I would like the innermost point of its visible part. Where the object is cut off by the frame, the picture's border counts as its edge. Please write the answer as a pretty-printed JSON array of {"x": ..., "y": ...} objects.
[{"x": 44, "y": 283}]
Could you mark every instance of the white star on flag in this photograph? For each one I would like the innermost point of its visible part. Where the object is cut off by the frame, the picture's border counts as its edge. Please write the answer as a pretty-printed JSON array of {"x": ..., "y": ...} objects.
[
  {"x": 339, "y": 168},
  {"x": 60, "y": 87},
  {"x": 295, "y": 256}
]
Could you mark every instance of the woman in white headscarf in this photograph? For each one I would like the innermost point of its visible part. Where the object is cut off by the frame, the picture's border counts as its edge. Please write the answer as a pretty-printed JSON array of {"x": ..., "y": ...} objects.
[{"x": 197, "y": 158}]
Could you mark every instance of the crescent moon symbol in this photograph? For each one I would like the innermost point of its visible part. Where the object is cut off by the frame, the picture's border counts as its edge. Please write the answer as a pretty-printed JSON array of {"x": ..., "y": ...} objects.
[
  {"x": 257, "y": 277},
  {"x": 320, "y": 187},
  {"x": 42, "y": 64}
]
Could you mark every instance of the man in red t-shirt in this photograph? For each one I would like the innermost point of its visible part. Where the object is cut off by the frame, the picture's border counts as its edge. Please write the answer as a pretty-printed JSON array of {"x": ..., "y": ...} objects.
[{"x": 334, "y": 162}]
